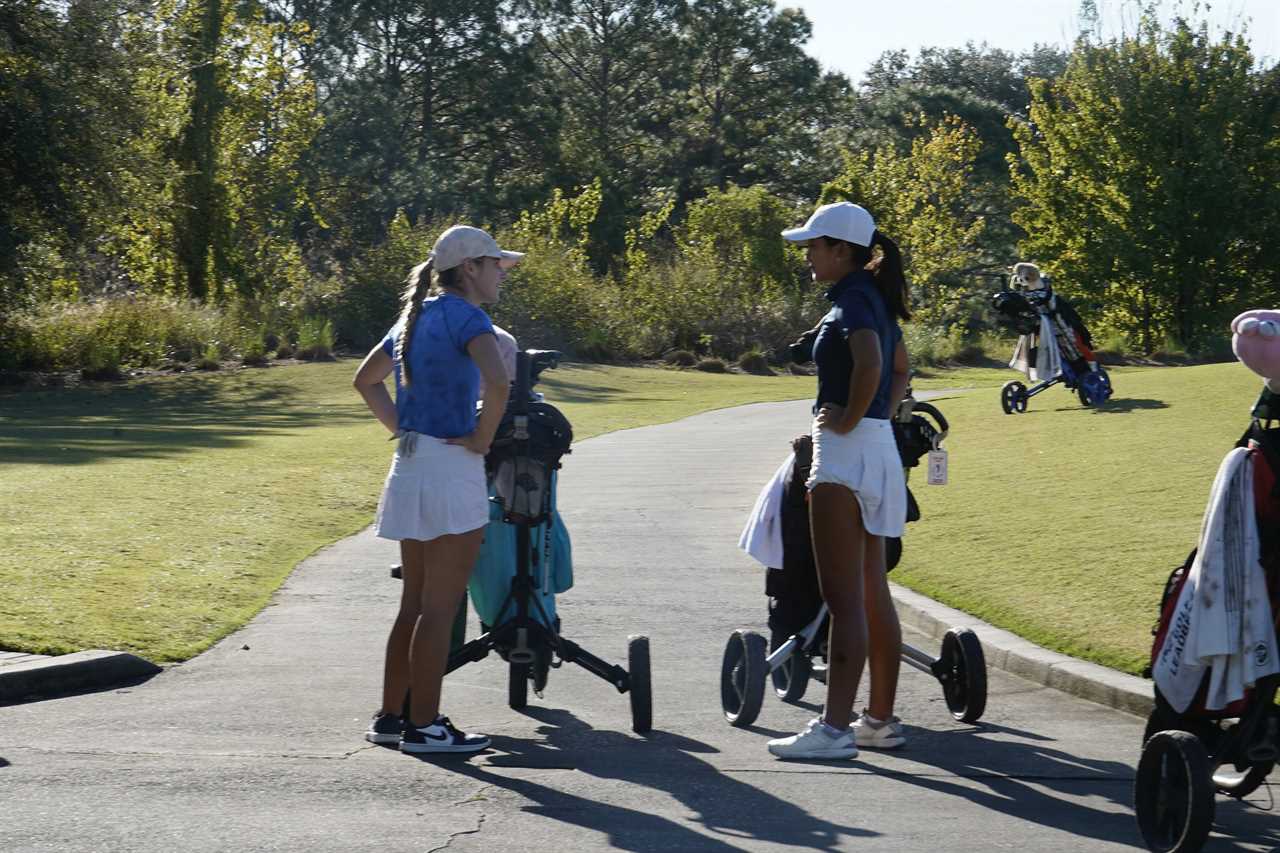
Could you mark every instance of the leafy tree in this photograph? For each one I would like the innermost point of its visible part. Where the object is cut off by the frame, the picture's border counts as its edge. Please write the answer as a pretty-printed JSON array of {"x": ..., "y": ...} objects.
[
  {"x": 920, "y": 200},
  {"x": 981, "y": 85},
  {"x": 63, "y": 95},
  {"x": 201, "y": 213},
  {"x": 754, "y": 100},
  {"x": 1146, "y": 179},
  {"x": 738, "y": 231},
  {"x": 433, "y": 110},
  {"x": 608, "y": 62},
  {"x": 211, "y": 193}
]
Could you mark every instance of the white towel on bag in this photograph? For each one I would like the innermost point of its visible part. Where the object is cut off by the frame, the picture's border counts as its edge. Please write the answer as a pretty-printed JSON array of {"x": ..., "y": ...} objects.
[
  {"x": 1222, "y": 622},
  {"x": 762, "y": 537},
  {"x": 1048, "y": 358}
]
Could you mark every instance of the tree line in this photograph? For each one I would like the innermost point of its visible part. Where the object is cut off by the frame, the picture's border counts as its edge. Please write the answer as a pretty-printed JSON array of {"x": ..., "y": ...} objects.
[{"x": 286, "y": 161}]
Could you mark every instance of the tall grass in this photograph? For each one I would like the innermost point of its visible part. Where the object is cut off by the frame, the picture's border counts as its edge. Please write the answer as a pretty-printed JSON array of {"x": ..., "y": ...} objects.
[{"x": 121, "y": 332}]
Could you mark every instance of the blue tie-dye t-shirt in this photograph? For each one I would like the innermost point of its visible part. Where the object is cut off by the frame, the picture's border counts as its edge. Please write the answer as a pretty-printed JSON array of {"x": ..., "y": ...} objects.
[{"x": 442, "y": 399}]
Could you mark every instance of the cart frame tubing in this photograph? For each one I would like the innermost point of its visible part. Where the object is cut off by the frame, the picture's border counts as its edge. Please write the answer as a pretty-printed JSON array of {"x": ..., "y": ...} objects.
[
  {"x": 522, "y": 632},
  {"x": 918, "y": 659},
  {"x": 1042, "y": 386},
  {"x": 804, "y": 640}
]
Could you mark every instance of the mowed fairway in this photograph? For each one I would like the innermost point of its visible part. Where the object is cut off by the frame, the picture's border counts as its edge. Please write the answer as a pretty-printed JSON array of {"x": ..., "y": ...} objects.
[
  {"x": 1062, "y": 524},
  {"x": 159, "y": 515}
]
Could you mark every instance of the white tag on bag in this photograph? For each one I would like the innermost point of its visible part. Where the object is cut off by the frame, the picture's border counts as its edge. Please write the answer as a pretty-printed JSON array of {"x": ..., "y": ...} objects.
[{"x": 937, "y": 467}]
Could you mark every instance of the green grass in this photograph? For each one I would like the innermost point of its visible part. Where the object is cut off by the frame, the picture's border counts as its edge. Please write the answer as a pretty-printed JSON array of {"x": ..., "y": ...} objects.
[
  {"x": 939, "y": 379},
  {"x": 160, "y": 515},
  {"x": 1063, "y": 523}
]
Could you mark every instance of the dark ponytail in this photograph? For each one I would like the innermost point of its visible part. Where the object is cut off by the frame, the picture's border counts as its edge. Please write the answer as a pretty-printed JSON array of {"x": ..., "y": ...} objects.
[
  {"x": 891, "y": 281},
  {"x": 890, "y": 277}
]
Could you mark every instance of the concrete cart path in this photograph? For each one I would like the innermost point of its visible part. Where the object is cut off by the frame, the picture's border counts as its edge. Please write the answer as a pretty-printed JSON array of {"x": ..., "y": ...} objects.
[{"x": 256, "y": 744}]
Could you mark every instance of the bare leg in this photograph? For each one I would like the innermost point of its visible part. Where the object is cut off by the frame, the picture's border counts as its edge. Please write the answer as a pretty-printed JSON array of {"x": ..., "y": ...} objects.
[
  {"x": 838, "y": 542},
  {"x": 395, "y": 674},
  {"x": 449, "y": 562},
  {"x": 884, "y": 655}
]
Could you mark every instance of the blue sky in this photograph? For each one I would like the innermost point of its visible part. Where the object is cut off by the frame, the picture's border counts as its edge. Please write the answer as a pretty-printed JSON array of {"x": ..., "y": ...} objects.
[{"x": 849, "y": 34}]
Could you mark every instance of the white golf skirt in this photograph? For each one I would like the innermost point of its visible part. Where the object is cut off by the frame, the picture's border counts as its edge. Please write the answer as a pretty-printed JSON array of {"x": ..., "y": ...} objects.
[
  {"x": 865, "y": 460},
  {"x": 433, "y": 489}
]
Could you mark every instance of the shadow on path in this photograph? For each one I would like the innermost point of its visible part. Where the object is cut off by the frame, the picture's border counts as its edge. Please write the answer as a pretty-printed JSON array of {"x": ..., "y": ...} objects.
[
  {"x": 110, "y": 686},
  {"x": 1252, "y": 822},
  {"x": 1015, "y": 774},
  {"x": 665, "y": 762}
]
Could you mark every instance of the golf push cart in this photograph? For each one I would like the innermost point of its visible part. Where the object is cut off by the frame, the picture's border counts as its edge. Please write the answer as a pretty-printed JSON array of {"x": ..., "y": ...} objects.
[
  {"x": 798, "y": 621},
  {"x": 521, "y": 469}
]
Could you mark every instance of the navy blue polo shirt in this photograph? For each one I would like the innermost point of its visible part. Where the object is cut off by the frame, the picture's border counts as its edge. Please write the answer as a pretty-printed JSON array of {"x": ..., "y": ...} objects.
[
  {"x": 446, "y": 382},
  {"x": 857, "y": 304}
]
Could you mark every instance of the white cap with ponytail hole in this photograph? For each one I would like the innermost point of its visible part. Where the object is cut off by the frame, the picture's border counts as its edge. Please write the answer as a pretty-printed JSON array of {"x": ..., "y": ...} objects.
[
  {"x": 842, "y": 220},
  {"x": 461, "y": 242}
]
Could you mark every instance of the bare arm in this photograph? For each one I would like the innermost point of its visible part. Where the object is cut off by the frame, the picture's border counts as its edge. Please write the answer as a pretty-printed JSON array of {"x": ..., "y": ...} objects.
[
  {"x": 901, "y": 375},
  {"x": 864, "y": 344},
  {"x": 369, "y": 382},
  {"x": 483, "y": 350}
]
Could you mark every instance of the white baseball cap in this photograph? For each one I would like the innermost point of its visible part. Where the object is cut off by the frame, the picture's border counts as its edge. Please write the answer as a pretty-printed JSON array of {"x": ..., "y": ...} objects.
[
  {"x": 842, "y": 220},
  {"x": 461, "y": 242}
]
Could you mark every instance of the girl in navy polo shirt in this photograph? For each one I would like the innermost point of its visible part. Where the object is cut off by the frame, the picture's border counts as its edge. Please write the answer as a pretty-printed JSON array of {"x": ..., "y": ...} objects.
[
  {"x": 857, "y": 491},
  {"x": 435, "y": 502}
]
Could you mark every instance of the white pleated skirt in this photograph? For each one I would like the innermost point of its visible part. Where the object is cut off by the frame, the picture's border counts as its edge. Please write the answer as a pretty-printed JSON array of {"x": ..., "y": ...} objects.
[
  {"x": 433, "y": 489},
  {"x": 865, "y": 460}
]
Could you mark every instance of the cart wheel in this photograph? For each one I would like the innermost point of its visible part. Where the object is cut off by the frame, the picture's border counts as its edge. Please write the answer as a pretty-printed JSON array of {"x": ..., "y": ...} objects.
[
  {"x": 540, "y": 669},
  {"x": 792, "y": 678},
  {"x": 518, "y": 686},
  {"x": 1234, "y": 780},
  {"x": 892, "y": 552},
  {"x": 1173, "y": 793},
  {"x": 742, "y": 677},
  {"x": 641, "y": 690},
  {"x": 1007, "y": 395},
  {"x": 1163, "y": 717},
  {"x": 1020, "y": 402},
  {"x": 962, "y": 669},
  {"x": 1083, "y": 394},
  {"x": 1013, "y": 397}
]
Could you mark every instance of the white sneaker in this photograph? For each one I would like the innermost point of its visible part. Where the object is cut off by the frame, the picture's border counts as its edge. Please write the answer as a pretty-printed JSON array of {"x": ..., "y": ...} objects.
[
  {"x": 817, "y": 741},
  {"x": 878, "y": 735},
  {"x": 440, "y": 736}
]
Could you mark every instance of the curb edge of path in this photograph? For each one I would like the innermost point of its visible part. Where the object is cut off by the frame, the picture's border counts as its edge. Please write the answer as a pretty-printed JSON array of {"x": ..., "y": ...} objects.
[
  {"x": 1023, "y": 658},
  {"x": 92, "y": 669}
]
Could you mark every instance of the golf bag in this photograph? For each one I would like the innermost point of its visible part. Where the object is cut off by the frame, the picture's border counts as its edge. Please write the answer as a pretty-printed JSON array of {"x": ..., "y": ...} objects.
[{"x": 1264, "y": 446}]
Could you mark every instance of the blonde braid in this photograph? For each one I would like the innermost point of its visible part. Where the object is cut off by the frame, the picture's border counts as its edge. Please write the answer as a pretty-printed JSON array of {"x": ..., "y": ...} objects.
[{"x": 415, "y": 290}]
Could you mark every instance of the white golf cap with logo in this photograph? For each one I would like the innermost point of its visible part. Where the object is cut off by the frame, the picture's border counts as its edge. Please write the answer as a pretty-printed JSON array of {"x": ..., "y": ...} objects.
[
  {"x": 842, "y": 220},
  {"x": 461, "y": 242}
]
